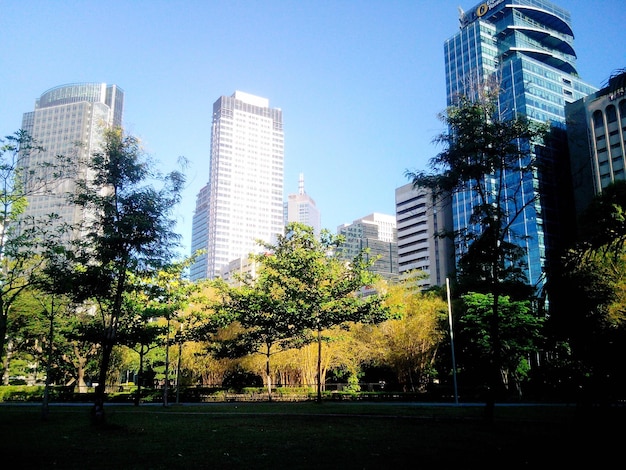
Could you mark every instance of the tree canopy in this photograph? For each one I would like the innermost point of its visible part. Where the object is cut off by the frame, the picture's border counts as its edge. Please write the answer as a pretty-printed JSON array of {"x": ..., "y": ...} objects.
[
  {"x": 490, "y": 163},
  {"x": 301, "y": 290},
  {"x": 128, "y": 230}
]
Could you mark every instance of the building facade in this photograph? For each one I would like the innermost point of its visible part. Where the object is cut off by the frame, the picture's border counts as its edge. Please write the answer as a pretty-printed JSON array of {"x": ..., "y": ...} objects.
[
  {"x": 419, "y": 220},
  {"x": 596, "y": 131},
  {"x": 243, "y": 200},
  {"x": 200, "y": 234},
  {"x": 376, "y": 233},
  {"x": 301, "y": 208},
  {"x": 68, "y": 120},
  {"x": 526, "y": 47}
]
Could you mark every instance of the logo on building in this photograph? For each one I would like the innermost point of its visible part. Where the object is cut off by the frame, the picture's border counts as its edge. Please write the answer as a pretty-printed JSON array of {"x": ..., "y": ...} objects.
[{"x": 480, "y": 11}]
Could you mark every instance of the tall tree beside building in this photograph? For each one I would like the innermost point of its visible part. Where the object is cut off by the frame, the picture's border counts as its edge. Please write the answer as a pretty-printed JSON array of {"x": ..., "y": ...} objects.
[
  {"x": 129, "y": 229},
  {"x": 481, "y": 152}
]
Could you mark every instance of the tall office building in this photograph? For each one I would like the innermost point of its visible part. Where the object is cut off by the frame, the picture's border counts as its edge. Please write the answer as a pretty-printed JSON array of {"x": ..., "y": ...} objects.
[
  {"x": 63, "y": 117},
  {"x": 243, "y": 200},
  {"x": 418, "y": 221},
  {"x": 596, "y": 131},
  {"x": 376, "y": 233},
  {"x": 301, "y": 208},
  {"x": 527, "y": 47}
]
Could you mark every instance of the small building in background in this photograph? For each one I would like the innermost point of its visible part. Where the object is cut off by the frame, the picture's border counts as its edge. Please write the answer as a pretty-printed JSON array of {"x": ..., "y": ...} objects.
[{"x": 377, "y": 233}]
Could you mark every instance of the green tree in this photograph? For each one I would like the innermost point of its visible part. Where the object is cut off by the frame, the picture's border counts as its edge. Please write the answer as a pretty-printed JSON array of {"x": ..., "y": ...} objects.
[
  {"x": 264, "y": 322},
  {"x": 494, "y": 162},
  {"x": 318, "y": 288},
  {"x": 139, "y": 332},
  {"x": 520, "y": 333},
  {"x": 167, "y": 294},
  {"x": 412, "y": 341},
  {"x": 128, "y": 230}
]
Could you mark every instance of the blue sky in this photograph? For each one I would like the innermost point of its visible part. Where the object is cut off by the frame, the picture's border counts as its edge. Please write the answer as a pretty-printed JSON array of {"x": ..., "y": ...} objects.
[{"x": 360, "y": 82}]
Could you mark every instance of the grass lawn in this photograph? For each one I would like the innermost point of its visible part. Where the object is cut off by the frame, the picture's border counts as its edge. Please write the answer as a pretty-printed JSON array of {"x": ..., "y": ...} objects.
[{"x": 308, "y": 436}]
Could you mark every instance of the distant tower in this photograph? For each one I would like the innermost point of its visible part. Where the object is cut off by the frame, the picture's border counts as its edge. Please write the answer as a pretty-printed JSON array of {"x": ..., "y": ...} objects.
[
  {"x": 243, "y": 200},
  {"x": 65, "y": 116},
  {"x": 301, "y": 208},
  {"x": 378, "y": 233}
]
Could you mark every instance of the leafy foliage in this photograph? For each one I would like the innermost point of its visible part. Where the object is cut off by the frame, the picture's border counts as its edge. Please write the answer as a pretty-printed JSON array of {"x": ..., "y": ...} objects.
[
  {"x": 301, "y": 290},
  {"x": 519, "y": 336},
  {"x": 591, "y": 320}
]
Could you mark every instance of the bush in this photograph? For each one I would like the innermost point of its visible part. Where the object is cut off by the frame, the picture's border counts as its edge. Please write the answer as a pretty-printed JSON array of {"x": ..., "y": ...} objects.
[
  {"x": 239, "y": 378},
  {"x": 21, "y": 393}
]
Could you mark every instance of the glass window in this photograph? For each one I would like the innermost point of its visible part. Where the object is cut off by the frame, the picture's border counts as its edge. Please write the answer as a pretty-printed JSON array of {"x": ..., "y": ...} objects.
[{"x": 597, "y": 119}]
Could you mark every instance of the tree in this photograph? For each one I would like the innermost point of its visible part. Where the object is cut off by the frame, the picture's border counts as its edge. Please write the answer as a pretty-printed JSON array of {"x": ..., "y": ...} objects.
[
  {"x": 167, "y": 294},
  {"x": 412, "y": 341},
  {"x": 266, "y": 322},
  {"x": 519, "y": 333},
  {"x": 493, "y": 162},
  {"x": 321, "y": 290},
  {"x": 139, "y": 331},
  {"x": 128, "y": 229}
]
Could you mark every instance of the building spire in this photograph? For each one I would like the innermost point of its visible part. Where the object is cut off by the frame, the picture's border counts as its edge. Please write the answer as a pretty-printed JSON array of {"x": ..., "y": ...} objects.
[{"x": 301, "y": 184}]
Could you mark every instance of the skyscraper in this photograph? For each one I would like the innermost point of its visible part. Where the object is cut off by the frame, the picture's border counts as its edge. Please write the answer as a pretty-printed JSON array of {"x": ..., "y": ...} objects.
[
  {"x": 526, "y": 46},
  {"x": 65, "y": 116},
  {"x": 243, "y": 200},
  {"x": 301, "y": 208}
]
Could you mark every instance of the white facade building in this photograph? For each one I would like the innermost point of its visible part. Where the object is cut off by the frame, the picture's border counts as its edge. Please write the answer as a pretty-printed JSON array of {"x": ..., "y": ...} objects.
[
  {"x": 244, "y": 200},
  {"x": 419, "y": 249}
]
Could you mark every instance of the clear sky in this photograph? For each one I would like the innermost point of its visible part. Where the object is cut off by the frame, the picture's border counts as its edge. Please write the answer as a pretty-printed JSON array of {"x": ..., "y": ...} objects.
[{"x": 360, "y": 82}]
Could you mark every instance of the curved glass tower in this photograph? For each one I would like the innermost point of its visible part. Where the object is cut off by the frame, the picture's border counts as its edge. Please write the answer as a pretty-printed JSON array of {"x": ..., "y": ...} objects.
[{"x": 527, "y": 47}]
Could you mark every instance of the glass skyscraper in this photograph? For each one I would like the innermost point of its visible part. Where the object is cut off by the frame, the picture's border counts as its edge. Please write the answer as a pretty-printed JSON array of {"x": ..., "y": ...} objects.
[
  {"x": 526, "y": 46},
  {"x": 63, "y": 117},
  {"x": 243, "y": 200}
]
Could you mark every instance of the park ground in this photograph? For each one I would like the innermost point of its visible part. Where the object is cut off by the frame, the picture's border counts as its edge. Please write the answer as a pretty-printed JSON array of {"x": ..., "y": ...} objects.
[{"x": 310, "y": 435}]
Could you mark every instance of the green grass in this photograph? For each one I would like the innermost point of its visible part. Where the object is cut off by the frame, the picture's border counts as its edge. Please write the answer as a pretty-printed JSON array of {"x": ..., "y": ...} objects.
[{"x": 307, "y": 436}]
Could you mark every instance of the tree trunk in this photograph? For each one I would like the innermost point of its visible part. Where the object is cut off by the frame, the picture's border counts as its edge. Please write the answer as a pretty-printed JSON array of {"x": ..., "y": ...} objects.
[
  {"x": 494, "y": 385},
  {"x": 268, "y": 374},
  {"x": 167, "y": 364},
  {"x": 319, "y": 366},
  {"x": 139, "y": 377},
  {"x": 6, "y": 360},
  {"x": 80, "y": 370},
  {"x": 107, "y": 349},
  {"x": 46, "y": 392},
  {"x": 3, "y": 334}
]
